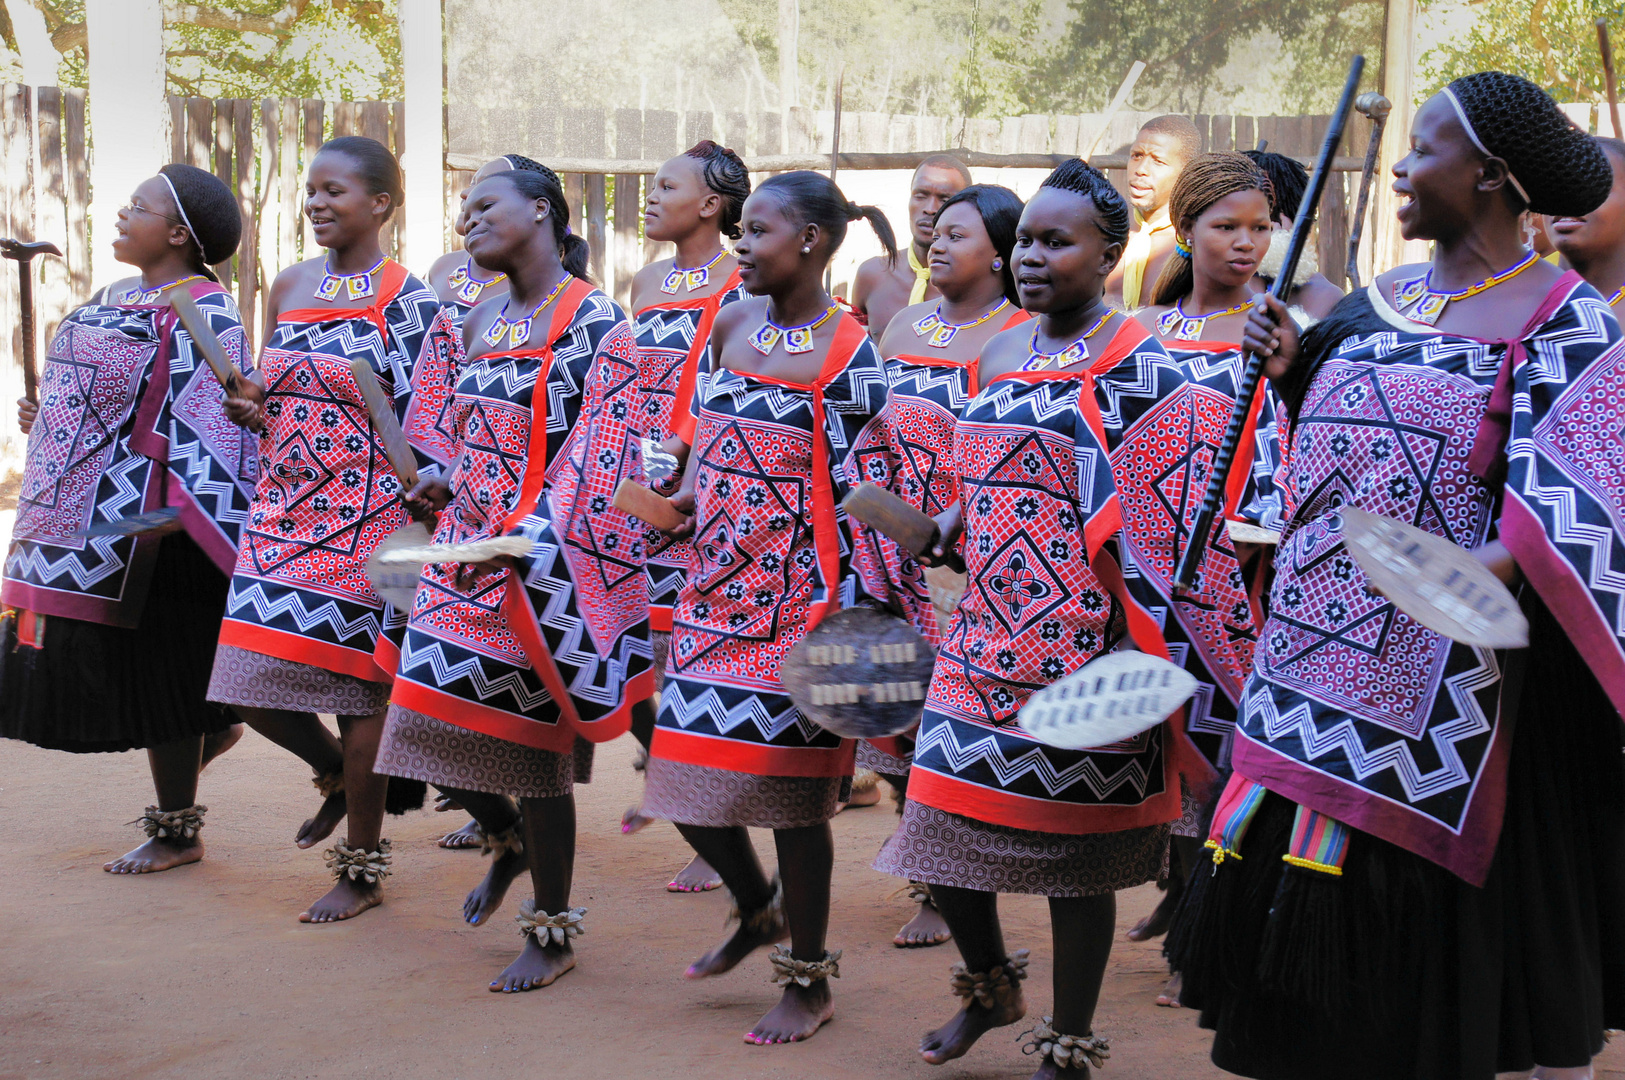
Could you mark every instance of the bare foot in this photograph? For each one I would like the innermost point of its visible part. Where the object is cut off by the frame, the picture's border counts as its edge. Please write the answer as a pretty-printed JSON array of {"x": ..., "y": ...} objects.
[
  {"x": 218, "y": 743},
  {"x": 739, "y": 945},
  {"x": 927, "y": 928},
  {"x": 800, "y": 1012},
  {"x": 469, "y": 836},
  {"x": 861, "y": 799},
  {"x": 157, "y": 854},
  {"x": 697, "y": 876},
  {"x": 1156, "y": 924},
  {"x": 970, "y": 1023},
  {"x": 1169, "y": 997},
  {"x": 486, "y": 897},
  {"x": 345, "y": 900},
  {"x": 534, "y": 968},
  {"x": 444, "y": 802},
  {"x": 633, "y": 820},
  {"x": 320, "y": 827}
]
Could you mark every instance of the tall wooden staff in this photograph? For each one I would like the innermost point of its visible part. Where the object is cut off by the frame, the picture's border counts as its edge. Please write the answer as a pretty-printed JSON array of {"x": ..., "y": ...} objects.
[
  {"x": 1608, "y": 74},
  {"x": 1374, "y": 107},
  {"x": 23, "y": 253},
  {"x": 1191, "y": 561}
]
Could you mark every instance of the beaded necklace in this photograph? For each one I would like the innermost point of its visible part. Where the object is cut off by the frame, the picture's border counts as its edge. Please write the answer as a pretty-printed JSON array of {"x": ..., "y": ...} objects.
[
  {"x": 1613, "y": 301},
  {"x": 466, "y": 287},
  {"x": 518, "y": 330},
  {"x": 1038, "y": 360},
  {"x": 359, "y": 286},
  {"x": 942, "y": 331},
  {"x": 137, "y": 295},
  {"x": 697, "y": 278},
  {"x": 1182, "y": 327},
  {"x": 797, "y": 339},
  {"x": 1419, "y": 301}
]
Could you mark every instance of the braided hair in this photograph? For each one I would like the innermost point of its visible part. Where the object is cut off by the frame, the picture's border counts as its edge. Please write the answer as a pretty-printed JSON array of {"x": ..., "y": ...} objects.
[
  {"x": 1082, "y": 178},
  {"x": 813, "y": 199},
  {"x": 726, "y": 175},
  {"x": 1288, "y": 181},
  {"x": 1205, "y": 181},
  {"x": 375, "y": 164},
  {"x": 543, "y": 183},
  {"x": 209, "y": 211},
  {"x": 522, "y": 163},
  {"x": 1000, "y": 209},
  {"x": 1554, "y": 167}
]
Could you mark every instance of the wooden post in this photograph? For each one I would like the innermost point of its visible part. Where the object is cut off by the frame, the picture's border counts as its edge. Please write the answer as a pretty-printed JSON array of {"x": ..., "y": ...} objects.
[
  {"x": 597, "y": 215},
  {"x": 177, "y": 129},
  {"x": 225, "y": 116},
  {"x": 314, "y": 137},
  {"x": 1398, "y": 85},
  {"x": 423, "y": 65},
  {"x": 56, "y": 294},
  {"x": 269, "y": 203},
  {"x": 628, "y": 203},
  {"x": 290, "y": 187},
  {"x": 77, "y": 166},
  {"x": 248, "y": 249},
  {"x": 17, "y": 218},
  {"x": 200, "y": 132},
  {"x": 372, "y": 121}
]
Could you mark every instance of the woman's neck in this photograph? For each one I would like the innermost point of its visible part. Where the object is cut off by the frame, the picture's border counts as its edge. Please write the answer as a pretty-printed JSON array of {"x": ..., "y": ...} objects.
[
  {"x": 165, "y": 270},
  {"x": 800, "y": 302},
  {"x": 1462, "y": 261},
  {"x": 1209, "y": 295},
  {"x": 532, "y": 278},
  {"x": 1064, "y": 327},
  {"x": 356, "y": 257},
  {"x": 1605, "y": 272},
  {"x": 698, "y": 248},
  {"x": 981, "y": 297}
]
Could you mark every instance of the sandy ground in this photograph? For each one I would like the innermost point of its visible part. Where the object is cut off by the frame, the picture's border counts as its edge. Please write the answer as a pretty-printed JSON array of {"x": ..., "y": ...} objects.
[{"x": 204, "y": 971}]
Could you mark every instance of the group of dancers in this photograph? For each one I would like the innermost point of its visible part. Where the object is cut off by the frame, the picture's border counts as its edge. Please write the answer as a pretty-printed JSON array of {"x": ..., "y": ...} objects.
[{"x": 1385, "y": 853}]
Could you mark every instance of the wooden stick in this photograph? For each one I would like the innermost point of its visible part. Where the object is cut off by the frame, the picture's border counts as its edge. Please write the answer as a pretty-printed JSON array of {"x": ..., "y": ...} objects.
[
  {"x": 203, "y": 336},
  {"x": 396, "y": 448},
  {"x": 23, "y": 253},
  {"x": 647, "y": 506},
  {"x": 891, "y": 516},
  {"x": 1191, "y": 561},
  {"x": 1135, "y": 70},
  {"x": 1376, "y": 108},
  {"x": 1608, "y": 73}
]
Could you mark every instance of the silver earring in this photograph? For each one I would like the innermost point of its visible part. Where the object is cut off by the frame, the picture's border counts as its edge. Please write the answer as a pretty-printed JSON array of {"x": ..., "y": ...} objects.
[
  {"x": 538, "y": 217},
  {"x": 807, "y": 250}
]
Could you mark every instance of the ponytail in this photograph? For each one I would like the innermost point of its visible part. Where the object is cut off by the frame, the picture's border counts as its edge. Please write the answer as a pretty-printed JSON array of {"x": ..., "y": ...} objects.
[
  {"x": 1177, "y": 279},
  {"x": 574, "y": 251},
  {"x": 877, "y": 221}
]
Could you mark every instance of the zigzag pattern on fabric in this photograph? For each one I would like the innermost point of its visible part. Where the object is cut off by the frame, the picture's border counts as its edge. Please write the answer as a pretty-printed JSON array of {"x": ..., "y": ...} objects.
[
  {"x": 710, "y": 712},
  {"x": 250, "y": 595},
  {"x": 1010, "y": 758}
]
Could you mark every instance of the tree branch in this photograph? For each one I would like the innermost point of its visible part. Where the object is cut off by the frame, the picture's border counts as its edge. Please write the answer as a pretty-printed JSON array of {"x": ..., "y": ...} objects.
[
  {"x": 277, "y": 24},
  {"x": 69, "y": 36}
]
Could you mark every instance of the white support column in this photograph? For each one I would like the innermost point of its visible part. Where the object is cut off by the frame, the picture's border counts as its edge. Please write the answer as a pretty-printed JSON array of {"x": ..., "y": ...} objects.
[
  {"x": 128, "y": 114},
  {"x": 1388, "y": 248},
  {"x": 423, "y": 65}
]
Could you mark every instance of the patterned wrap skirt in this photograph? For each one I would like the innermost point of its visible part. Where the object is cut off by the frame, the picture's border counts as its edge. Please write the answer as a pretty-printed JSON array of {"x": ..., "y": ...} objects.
[
  {"x": 942, "y": 848},
  {"x": 417, "y": 746},
  {"x": 244, "y": 677},
  {"x": 720, "y": 798}
]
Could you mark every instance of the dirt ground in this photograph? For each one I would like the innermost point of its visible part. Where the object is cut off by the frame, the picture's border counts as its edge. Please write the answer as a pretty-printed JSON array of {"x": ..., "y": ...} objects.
[{"x": 205, "y": 972}]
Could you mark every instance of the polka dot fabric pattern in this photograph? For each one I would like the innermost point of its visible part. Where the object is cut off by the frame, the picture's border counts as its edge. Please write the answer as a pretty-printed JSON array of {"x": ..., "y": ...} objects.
[
  {"x": 1563, "y": 170},
  {"x": 420, "y": 747},
  {"x": 1355, "y": 709},
  {"x": 554, "y": 648},
  {"x": 719, "y": 798}
]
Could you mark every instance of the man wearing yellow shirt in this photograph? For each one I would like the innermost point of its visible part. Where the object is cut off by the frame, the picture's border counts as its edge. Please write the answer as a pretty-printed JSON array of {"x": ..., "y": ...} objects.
[
  {"x": 880, "y": 289},
  {"x": 1160, "y": 151}
]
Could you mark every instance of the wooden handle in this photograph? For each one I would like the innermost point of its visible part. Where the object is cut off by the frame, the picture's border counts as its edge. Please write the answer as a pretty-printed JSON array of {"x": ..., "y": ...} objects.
[
  {"x": 203, "y": 336},
  {"x": 891, "y": 516},
  {"x": 647, "y": 506},
  {"x": 396, "y": 448}
]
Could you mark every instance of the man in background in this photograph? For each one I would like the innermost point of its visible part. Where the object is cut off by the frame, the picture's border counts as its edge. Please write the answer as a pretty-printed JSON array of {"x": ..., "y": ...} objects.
[
  {"x": 1160, "y": 152},
  {"x": 881, "y": 289}
]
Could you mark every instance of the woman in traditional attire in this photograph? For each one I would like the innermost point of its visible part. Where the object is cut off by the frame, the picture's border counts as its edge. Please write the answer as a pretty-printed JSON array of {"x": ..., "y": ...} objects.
[
  {"x": 786, "y": 421},
  {"x": 1221, "y": 210},
  {"x": 694, "y": 202},
  {"x": 506, "y": 664},
  {"x": 460, "y": 283},
  {"x": 931, "y": 350},
  {"x": 1594, "y": 244},
  {"x": 301, "y": 620},
  {"x": 109, "y": 625},
  {"x": 989, "y": 809},
  {"x": 1431, "y": 836}
]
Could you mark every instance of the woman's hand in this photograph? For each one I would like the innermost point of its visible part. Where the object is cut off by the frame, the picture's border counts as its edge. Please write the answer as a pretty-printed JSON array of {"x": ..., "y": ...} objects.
[
  {"x": 495, "y": 564},
  {"x": 246, "y": 408},
  {"x": 950, "y": 525},
  {"x": 27, "y": 413},
  {"x": 684, "y": 502},
  {"x": 1498, "y": 560},
  {"x": 1272, "y": 334},
  {"x": 428, "y": 497}
]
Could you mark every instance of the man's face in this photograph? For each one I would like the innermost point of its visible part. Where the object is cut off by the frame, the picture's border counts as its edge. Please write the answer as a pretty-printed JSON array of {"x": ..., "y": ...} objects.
[
  {"x": 932, "y": 188},
  {"x": 1154, "y": 162}
]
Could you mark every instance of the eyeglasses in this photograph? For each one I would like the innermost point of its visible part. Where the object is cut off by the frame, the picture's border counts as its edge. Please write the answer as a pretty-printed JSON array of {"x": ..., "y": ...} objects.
[{"x": 132, "y": 207}]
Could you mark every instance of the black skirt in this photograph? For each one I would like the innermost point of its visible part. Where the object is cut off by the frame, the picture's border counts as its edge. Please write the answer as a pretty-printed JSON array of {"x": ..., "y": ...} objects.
[
  {"x": 96, "y": 689},
  {"x": 1401, "y": 970}
]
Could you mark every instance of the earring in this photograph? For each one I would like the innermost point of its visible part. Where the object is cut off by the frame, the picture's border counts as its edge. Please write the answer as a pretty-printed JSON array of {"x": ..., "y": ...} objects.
[
  {"x": 538, "y": 217},
  {"x": 807, "y": 250},
  {"x": 998, "y": 264}
]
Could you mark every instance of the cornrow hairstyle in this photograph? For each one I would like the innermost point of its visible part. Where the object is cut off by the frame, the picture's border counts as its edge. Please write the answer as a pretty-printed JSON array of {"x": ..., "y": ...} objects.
[
  {"x": 1180, "y": 127},
  {"x": 1082, "y": 178},
  {"x": 813, "y": 199},
  {"x": 945, "y": 161},
  {"x": 1000, "y": 209},
  {"x": 726, "y": 175},
  {"x": 523, "y": 163},
  {"x": 375, "y": 164},
  {"x": 573, "y": 250},
  {"x": 1554, "y": 167},
  {"x": 1205, "y": 181},
  {"x": 1288, "y": 179},
  {"x": 209, "y": 211}
]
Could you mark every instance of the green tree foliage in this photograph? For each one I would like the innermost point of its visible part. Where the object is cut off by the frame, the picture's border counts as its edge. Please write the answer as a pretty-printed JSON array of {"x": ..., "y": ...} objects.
[{"x": 1550, "y": 42}]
